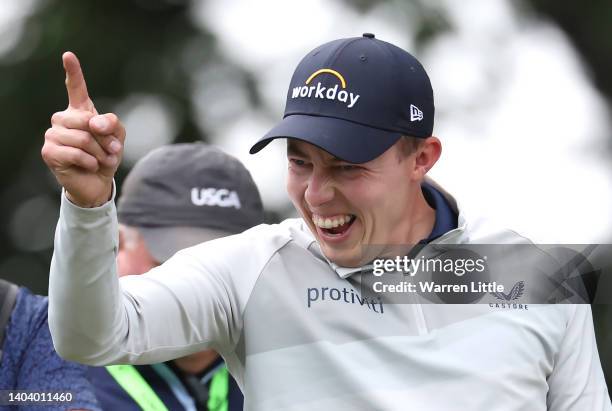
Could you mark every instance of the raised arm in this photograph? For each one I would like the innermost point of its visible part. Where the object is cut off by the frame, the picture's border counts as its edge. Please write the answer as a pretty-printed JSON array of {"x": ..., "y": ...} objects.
[
  {"x": 83, "y": 150},
  {"x": 94, "y": 317}
]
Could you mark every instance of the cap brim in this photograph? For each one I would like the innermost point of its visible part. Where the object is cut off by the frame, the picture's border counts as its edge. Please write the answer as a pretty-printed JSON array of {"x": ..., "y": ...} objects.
[
  {"x": 164, "y": 242},
  {"x": 343, "y": 139}
]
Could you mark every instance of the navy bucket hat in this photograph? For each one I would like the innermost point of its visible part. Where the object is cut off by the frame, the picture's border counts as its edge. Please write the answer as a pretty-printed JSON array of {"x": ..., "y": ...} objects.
[{"x": 355, "y": 98}]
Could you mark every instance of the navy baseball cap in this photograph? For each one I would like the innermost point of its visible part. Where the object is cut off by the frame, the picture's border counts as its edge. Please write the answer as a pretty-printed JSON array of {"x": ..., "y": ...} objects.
[{"x": 355, "y": 98}]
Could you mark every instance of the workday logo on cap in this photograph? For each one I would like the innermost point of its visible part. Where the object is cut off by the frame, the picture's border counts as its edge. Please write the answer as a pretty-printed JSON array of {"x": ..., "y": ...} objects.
[
  {"x": 327, "y": 93},
  {"x": 352, "y": 98}
]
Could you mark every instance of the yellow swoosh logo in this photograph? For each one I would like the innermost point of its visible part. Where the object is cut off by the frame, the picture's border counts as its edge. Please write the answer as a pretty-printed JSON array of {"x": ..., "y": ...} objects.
[{"x": 330, "y": 71}]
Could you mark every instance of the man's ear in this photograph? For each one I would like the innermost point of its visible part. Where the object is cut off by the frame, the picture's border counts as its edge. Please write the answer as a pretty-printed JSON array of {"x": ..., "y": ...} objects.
[{"x": 426, "y": 155}]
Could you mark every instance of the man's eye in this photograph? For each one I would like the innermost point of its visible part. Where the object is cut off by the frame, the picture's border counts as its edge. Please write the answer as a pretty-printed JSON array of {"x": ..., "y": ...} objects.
[
  {"x": 348, "y": 167},
  {"x": 298, "y": 162}
]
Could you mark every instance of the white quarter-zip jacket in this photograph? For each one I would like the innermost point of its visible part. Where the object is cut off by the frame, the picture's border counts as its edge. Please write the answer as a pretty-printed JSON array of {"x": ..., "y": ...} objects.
[{"x": 251, "y": 298}]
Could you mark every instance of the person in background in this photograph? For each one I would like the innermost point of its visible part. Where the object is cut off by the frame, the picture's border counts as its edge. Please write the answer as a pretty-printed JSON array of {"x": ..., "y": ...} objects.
[
  {"x": 28, "y": 361},
  {"x": 175, "y": 197}
]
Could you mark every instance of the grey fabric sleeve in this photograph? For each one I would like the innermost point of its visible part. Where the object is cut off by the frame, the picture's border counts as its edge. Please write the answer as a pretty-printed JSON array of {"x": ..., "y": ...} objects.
[
  {"x": 84, "y": 310},
  {"x": 97, "y": 319},
  {"x": 192, "y": 302},
  {"x": 577, "y": 382}
]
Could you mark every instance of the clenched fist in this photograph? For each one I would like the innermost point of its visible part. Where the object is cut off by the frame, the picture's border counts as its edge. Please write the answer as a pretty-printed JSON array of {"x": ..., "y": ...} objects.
[{"x": 83, "y": 148}]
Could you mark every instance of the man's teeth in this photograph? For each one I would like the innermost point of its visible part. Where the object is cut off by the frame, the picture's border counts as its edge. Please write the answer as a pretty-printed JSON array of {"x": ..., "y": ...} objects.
[{"x": 331, "y": 222}]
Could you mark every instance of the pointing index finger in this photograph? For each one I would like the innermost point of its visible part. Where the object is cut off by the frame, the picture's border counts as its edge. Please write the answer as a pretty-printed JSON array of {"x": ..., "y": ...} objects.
[{"x": 78, "y": 97}]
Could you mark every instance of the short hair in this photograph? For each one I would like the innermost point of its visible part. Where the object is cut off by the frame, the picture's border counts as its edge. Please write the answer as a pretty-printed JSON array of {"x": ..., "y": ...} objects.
[{"x": 408, "y": 145}]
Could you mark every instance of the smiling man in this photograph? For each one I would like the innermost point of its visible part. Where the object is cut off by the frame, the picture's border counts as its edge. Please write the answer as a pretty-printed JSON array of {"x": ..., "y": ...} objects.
[
  {"x": 283, "y": 303},
  {"x": 348, "y": 206}
]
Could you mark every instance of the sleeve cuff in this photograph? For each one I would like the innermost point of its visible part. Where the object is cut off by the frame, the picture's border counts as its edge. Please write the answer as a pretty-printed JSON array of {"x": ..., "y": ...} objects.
[{"x": 85, "y": 214}]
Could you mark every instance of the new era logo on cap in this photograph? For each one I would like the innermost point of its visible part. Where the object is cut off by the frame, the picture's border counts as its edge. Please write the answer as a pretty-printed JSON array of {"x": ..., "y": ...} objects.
[{"x": 415, "y": 113}]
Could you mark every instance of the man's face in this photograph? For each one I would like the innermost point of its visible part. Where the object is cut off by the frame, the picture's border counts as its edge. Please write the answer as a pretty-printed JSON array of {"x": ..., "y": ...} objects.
[
  {"x": 348, "y": 206},
  {"x": 133, "y": 256}
]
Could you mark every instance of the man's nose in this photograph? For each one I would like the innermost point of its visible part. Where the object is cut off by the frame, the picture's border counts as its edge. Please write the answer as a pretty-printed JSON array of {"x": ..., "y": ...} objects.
[{"x": 320, "y": 189}]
